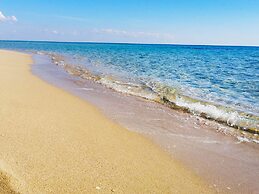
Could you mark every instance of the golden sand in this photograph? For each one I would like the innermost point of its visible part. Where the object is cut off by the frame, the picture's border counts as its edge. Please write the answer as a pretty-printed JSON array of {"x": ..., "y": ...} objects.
[{"x": 53, "y": 142}]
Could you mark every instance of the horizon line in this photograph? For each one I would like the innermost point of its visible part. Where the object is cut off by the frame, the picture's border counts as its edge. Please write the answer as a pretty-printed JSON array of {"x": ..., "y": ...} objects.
[{"x": 134, "y": 43}]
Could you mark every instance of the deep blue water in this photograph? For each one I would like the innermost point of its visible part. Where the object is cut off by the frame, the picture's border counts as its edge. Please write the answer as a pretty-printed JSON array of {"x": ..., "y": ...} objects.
[{"x": 223, "y": 75}]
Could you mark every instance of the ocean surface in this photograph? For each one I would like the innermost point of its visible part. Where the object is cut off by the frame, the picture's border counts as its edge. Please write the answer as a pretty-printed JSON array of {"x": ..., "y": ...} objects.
[{"x": 216, "y": 82}]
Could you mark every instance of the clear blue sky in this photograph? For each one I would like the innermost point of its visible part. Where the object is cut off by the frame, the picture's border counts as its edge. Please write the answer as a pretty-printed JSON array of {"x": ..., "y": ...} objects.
[{"x": 231, "y": 22}]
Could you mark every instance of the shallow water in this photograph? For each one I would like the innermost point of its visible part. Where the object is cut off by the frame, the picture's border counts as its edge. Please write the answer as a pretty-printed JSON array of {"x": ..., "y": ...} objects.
[
  {"x": 232, "y": 155},
  {"x": 220, "y": 82}
]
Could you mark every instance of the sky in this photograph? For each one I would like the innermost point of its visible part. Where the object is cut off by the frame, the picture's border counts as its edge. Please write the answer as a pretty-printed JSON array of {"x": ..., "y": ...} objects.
[{"x": 219, "y": 22}]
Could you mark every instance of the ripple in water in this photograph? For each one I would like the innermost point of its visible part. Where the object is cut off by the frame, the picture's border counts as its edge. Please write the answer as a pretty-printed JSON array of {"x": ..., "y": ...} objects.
[{"x": 217, "y": 82}]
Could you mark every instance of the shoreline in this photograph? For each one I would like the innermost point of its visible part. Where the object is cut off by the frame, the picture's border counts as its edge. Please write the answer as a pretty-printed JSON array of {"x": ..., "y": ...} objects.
[
  {"x": 167, "y": 96},
  {"x": 182, "y": 135},
  {"x": 233, "y": 114},
  {"x": 74, "y": 148}
]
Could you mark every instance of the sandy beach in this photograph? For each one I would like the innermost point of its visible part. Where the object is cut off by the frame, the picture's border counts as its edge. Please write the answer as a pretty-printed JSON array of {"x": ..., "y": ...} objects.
[
  {"x": 230, "y": 162},
  {"x": 54, "y": 142}
]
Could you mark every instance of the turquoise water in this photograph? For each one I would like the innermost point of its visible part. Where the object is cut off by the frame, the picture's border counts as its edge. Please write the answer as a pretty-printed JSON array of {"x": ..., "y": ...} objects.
[{"x": 221, "y": 81}]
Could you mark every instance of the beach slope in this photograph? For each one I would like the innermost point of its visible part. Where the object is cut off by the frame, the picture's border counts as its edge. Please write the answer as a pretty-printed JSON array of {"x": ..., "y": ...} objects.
[{"x": 53, "y": 142}]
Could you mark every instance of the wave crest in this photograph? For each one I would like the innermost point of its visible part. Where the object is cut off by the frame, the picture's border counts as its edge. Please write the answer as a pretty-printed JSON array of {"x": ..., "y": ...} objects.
[{"x": 166, "y": 95}]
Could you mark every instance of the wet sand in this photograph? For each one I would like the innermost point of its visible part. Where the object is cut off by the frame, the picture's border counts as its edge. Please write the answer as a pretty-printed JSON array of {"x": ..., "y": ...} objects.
[
  {"x": 54, "y": 142},
  {"x": 210, "y": 149}
]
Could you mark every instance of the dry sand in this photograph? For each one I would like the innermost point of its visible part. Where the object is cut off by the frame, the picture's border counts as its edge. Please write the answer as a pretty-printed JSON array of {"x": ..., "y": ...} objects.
[{"x": 53, "y": 142}]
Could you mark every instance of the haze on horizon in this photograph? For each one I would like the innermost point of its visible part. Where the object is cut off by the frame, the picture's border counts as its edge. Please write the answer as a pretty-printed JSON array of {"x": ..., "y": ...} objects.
[{"x": 220, "y": 22}]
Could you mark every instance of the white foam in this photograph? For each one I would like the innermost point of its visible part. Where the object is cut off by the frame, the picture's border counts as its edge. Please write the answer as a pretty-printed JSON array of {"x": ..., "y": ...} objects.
[
  {"x": 232, "y": 118},
  {"x": 87, "y": 89},
  {"x": 127, "y": 88},
  {"x": 243, "y": 139}
]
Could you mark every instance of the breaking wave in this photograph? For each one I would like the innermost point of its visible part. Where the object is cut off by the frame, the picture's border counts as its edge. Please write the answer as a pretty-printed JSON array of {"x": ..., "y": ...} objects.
[{"x": 168, "y": 96}]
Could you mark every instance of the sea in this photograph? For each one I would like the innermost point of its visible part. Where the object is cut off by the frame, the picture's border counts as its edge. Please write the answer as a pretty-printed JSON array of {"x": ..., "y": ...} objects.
[{"x": 219, "y": 83}]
